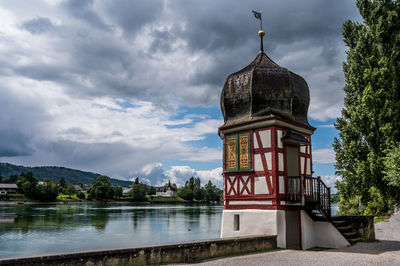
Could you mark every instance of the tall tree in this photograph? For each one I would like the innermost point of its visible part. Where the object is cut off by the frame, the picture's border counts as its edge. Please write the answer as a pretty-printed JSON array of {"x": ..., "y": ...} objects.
[{"x": 370, "y": 122}]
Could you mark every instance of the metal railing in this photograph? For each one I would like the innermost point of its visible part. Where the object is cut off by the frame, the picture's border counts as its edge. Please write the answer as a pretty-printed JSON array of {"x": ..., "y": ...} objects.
[{"x": 316, "y": 194}]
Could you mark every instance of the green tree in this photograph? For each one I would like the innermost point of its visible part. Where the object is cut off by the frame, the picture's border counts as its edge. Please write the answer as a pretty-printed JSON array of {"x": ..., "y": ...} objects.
[
  {"x": 117, "y": 191},
  {"x": 138, "y": 192},
  {"x": 137, "y": 181},
  {"x": 392, "y": 167},
  {"x": 212, "y": 192},
  {"x": 101, "y": 189},
  {"x": 47, "y": 191},
  {"x": 186, "y": 193},
  {"x": 62, "y": 182},
  {"x": 70, "y": 190},
  {"x": 151, "y": 190},
  {"x": 370, "y": 122}
]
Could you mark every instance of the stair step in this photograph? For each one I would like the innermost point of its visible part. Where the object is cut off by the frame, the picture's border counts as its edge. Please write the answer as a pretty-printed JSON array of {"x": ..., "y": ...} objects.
[
  {"x": 343, "y": 228},
  {"x": 354, "y": 240},
  {"x": 351, "y": 234},
  {"x": 339, "y": 222}
]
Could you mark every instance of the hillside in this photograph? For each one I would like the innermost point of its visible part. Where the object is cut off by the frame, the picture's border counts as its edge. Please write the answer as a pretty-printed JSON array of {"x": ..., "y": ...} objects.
[{"x": 71, "y": 176}]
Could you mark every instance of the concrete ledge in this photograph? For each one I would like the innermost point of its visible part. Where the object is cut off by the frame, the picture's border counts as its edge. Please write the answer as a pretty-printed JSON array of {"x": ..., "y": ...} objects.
[
  {"x": 362, "y": 224},
  {"x": 170, "y": 253}
]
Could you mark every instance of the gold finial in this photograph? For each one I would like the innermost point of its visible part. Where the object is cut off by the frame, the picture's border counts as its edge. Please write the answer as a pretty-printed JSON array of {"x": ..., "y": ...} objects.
[{"x": 261, "y": 33}]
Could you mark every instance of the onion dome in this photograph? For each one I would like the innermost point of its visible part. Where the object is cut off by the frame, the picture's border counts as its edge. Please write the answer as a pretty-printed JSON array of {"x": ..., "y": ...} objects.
[{"x": 262, "y": 89}]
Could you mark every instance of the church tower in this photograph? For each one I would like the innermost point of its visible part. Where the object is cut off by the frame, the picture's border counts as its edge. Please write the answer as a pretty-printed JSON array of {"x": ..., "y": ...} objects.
[{"x": 267, "y": 160}]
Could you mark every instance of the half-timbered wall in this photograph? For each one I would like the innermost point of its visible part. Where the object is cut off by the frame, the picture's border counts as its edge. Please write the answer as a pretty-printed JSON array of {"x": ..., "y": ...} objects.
[{"x": 263, "y": 186}]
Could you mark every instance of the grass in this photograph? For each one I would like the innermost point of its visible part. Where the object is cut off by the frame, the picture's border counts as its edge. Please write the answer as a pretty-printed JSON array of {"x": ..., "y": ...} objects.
[
  {"x": 64, "y": 197},
  {"x": 14, "y": 197},
  {"x": 380, "y": 219}
]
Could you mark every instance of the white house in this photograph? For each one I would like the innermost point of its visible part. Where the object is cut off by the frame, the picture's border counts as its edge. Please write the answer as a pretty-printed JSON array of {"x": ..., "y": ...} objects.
[
  {"x": 167, "y": 190},
  {"x": 8, "y": 188}
]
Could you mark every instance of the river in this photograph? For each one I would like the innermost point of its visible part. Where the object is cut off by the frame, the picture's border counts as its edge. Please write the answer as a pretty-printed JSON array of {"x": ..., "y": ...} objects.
[
  {"x": 45, "y": 229},
  {"x": 27, "y": 230}
]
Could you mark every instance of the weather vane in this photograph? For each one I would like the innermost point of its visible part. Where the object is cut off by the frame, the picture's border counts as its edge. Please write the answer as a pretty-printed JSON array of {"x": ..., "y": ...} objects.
[{"x": 261, "y": 33}]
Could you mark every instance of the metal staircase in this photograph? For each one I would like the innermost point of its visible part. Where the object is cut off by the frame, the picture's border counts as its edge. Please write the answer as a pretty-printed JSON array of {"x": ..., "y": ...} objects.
[{"x": 314, "y": 195}]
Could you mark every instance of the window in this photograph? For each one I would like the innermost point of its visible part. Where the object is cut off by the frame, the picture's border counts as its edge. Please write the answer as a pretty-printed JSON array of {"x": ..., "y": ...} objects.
[
  {"x": 238, "y": 152},
  {"x": 236, "y": 222}
]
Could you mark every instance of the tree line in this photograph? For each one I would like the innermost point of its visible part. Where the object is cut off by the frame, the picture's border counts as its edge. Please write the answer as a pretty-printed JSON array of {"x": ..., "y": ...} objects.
[
  {"x": 368, "y": 146},
  {"x": 102, "y": 189},
  {"x": 192, "y": 191}
]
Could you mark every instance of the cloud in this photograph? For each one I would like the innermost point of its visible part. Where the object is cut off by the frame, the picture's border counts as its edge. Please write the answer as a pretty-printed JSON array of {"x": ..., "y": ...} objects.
[
  {"x": 327, "y": 126},
  {"x": 157, "y": 175},
  {"x": 324, "y": 156},
  {"x": 103, "y": 85},
  {"x": 330, "y": 181},
  {"x": 37, "y": 25}
]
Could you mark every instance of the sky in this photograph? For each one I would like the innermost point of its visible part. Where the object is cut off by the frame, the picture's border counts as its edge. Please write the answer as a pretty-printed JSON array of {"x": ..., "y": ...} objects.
[{"x": 131, "y": 88}]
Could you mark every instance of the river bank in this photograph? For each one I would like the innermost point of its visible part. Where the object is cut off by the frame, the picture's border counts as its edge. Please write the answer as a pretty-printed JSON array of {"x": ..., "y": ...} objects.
[{"x": 117, "y": 202}]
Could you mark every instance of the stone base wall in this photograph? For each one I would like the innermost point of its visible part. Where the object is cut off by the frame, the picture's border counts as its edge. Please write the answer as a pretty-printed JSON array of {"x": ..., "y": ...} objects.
[
  {"x": 172, "y": 253},
  {"x": 362, "y": 224}
]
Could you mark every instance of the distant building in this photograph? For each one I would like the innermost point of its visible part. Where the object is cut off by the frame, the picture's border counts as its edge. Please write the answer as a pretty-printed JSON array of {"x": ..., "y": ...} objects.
[
  {"x": 78, "y": 188},
  {"x": 8, "y": 188},
  {"x": 167, "y": 190},
  {"x": 126, "y": 190}
]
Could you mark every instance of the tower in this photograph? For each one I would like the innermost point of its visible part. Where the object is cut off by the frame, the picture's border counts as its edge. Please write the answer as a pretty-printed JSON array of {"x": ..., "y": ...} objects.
[{"x": 267, "y": 165}]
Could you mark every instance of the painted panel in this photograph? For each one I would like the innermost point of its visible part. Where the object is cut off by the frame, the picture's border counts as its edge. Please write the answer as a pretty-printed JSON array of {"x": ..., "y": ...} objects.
[
  {"x": 260, "y": 185},
  {"x": 231, "y": 153},
  {"x": 244, "y": 146},
  {"x": 265, "y": 136},
  {"x": 308, "y": 170},
  {"x": 268, "y": 158},
  {"x": 281, "y": 185},
  {"x": 280, "y": 162},
  {"x": 258, "y": 166},
  {"x": 279, "y": 138},
  {"x": 250, "y": 202},
  {"x": 255, "y": 141},
  {"x": 302, "y": 160}
]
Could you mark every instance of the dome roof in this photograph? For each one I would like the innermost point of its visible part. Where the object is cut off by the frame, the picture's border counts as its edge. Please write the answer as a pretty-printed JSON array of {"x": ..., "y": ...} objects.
[{"x": 264, "y": 88}]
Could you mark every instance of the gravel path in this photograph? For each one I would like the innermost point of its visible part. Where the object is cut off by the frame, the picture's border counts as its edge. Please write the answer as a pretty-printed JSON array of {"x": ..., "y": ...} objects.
[{"x": 384, "y": 252}]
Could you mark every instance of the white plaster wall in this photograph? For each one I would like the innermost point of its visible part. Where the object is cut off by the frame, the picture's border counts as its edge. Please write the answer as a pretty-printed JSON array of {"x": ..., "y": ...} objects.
[
  {"x": 320, "y": 234},
  {"x": 281, "y": 229},
  {"x": 252, "y": 223},
  {"x": 260, "y": 185},
  {"x": 265, "y": 137}
]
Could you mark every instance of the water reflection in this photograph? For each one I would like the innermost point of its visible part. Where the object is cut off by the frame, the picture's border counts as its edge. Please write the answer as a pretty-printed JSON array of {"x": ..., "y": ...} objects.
[{"x": 39, "y": 229}]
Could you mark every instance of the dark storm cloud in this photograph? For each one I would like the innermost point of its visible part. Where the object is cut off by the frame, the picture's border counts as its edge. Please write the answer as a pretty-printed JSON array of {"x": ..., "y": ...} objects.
[
  {"x": 132, "y": 15},
  {"x": 223, "y": 34},
  {"x": 83, "y": 10},
  {"x": 37, "y": 25},
  {"x": 228, "y": 30},
  {"x": 14, "y": 143},
  {"x": 19, "y": 123}
]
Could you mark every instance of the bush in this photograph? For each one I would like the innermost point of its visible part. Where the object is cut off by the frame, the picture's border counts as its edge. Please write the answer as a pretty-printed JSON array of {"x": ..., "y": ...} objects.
[{"x": 81, "y": 195}]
